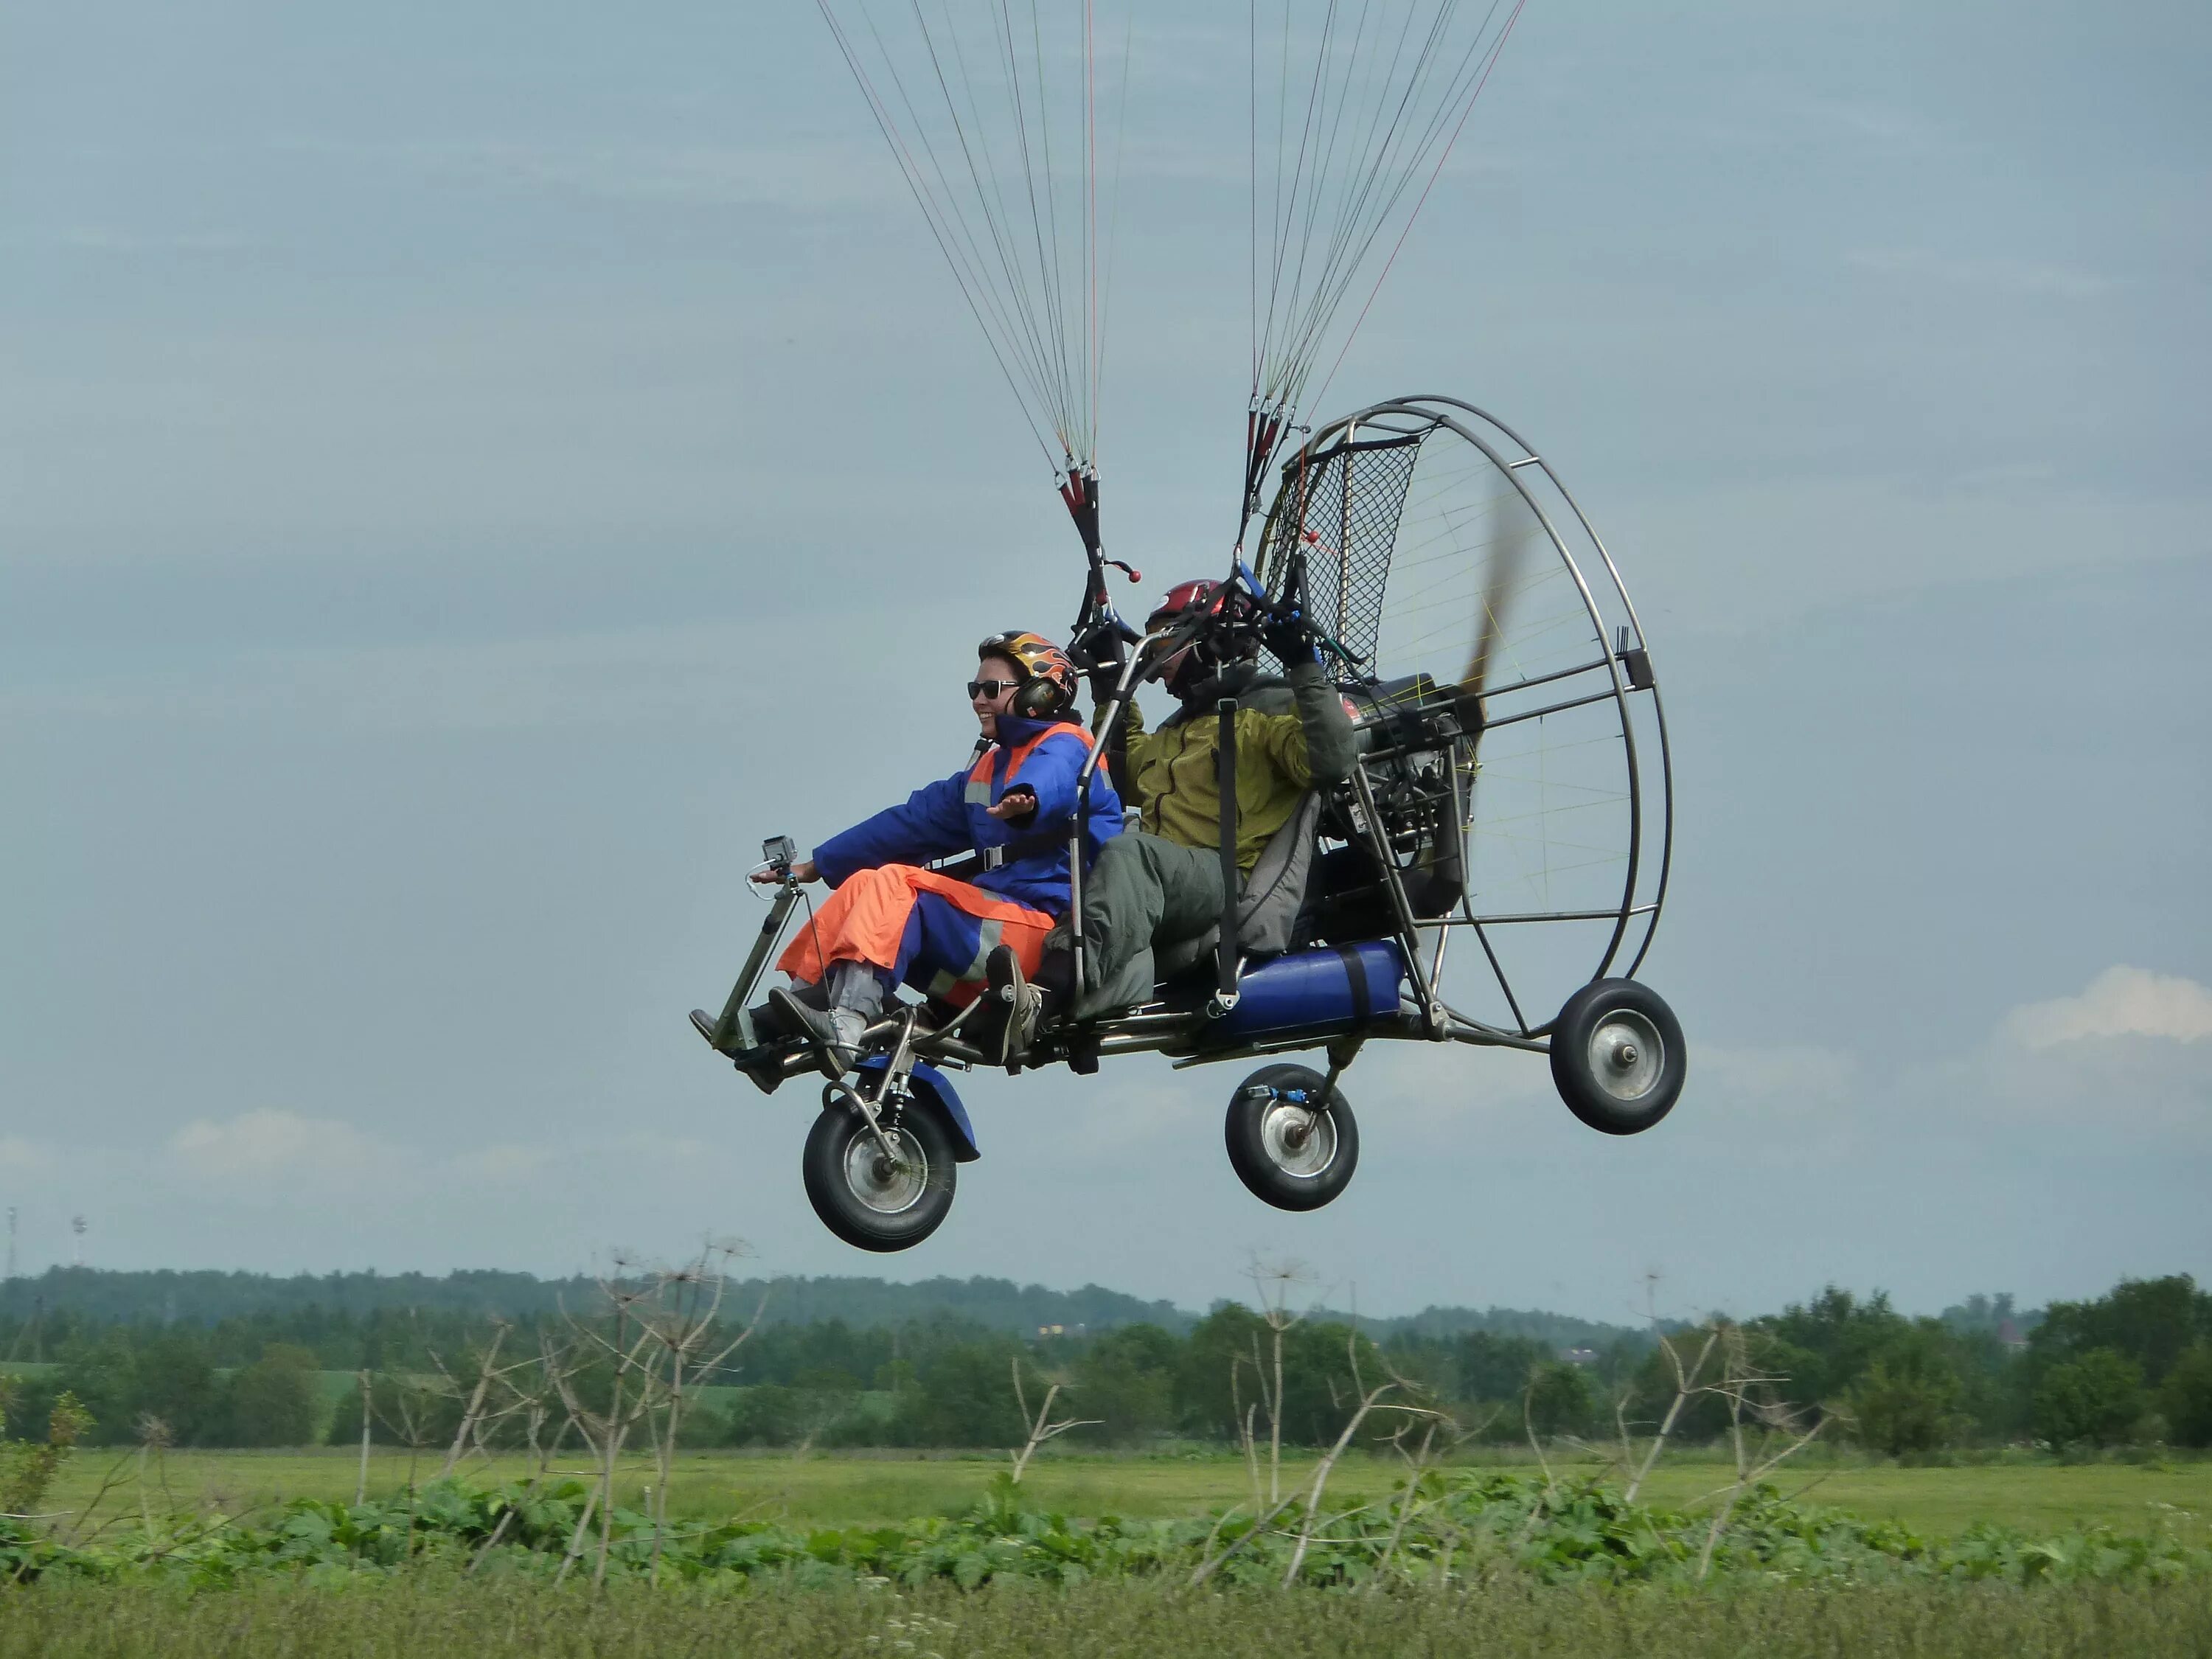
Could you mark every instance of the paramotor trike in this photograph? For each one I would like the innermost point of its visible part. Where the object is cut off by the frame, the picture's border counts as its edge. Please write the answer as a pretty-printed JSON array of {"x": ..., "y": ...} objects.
[{"x": 1511, "y": 790}]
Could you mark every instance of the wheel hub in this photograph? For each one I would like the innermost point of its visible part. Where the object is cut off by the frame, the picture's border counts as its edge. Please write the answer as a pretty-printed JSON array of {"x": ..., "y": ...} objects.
[
  {"x": 1299, "y": 1141},
  {"x": 1626, "y": 1055},
  {"x": 886, "y": 1185}
]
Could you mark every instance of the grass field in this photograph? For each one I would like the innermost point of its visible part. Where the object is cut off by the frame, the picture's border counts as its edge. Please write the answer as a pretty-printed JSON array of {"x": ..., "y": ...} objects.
[
  {"x": 494, "y": 1620},
  {"x": 2042, "y": 1500}
]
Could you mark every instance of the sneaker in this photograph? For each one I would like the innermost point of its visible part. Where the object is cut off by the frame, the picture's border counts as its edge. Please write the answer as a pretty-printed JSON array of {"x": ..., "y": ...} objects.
[{"x": 834, "y": 1033}]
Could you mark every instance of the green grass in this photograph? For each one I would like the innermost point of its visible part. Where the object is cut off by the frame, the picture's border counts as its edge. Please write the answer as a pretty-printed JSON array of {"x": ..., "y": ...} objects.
[
  {"x": 427, "y": 1617},
  {"x": 2038, "y": 1498}
]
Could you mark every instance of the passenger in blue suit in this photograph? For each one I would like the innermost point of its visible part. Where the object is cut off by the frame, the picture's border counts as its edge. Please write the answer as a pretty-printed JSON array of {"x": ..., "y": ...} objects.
[{"x": 890, "y": 921}]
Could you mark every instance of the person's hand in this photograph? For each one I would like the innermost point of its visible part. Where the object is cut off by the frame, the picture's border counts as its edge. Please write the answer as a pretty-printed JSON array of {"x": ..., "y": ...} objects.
[
  {"x": 805, "y": 870},
  {"x": 1018, "y": 802},
  {"x": 1285, "y": 630}
]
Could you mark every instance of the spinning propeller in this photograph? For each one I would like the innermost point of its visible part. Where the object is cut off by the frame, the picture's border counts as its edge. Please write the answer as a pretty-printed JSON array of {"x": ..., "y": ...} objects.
[{"x": 1502, "y": 582}]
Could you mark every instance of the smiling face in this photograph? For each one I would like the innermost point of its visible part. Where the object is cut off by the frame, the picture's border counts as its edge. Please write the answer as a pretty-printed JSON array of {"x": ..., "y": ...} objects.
[{"x": 988, "y": 708}]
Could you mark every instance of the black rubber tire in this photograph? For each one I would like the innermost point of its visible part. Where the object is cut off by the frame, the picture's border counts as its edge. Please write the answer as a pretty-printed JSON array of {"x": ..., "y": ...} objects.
[
  {"x": 1624, "y": 1006},
  {"x": 831, "y": 1150},
  {"x": 1247, "y": 1133}
]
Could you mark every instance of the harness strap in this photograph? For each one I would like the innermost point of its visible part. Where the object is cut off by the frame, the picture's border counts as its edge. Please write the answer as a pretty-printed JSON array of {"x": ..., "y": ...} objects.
[{"x": 991, "y": 858}]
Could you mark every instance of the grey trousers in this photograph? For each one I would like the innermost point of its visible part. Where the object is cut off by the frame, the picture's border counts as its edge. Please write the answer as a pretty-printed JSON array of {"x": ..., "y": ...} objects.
[{"x": 1143, "y": 890}]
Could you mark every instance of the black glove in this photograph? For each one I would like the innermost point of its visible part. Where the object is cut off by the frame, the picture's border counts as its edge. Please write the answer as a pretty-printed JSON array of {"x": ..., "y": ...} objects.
[
  {"x": 1105, "y": 680},
  {"x": 1285, "y": 630}
]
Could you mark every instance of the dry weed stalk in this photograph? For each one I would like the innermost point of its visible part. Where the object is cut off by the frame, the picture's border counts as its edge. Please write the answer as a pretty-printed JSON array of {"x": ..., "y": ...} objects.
[
  {"x": 662, "y": 1320},
  {"x": 1772, "y": 1422},
  {"x": 1041, "y": 1427}
]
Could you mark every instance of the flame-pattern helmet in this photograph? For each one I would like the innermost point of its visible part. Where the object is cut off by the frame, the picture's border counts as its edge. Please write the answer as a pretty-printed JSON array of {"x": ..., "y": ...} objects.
[{"x": 1048, "y": 678}]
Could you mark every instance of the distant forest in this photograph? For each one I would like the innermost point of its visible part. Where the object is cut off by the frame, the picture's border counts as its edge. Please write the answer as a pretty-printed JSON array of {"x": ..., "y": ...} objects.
[
  {"x": 81, "y": 1297},
  {"x": 222, "y": 1360}
]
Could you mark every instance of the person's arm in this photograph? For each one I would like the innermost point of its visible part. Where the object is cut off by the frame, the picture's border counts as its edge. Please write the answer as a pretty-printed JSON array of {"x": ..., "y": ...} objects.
[
  {"x": 1049, "y": 775},
  {"x": 1127, "y": 746},
  {"x": 930, "y": 823},
  {"x": 1317, "y": 746},
  {"x": 1323, "y": 749}
]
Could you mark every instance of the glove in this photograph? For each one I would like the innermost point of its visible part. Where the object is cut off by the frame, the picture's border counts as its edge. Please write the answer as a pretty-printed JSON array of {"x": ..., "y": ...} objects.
[
  {"x": 1285, "y": 632},
  {"x": 1104, "y": 680}
]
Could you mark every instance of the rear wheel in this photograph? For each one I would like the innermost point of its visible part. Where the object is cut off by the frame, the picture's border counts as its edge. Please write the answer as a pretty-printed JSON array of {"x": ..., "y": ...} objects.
[
  {"x": 872, "y": 1199},
  {"x": 1617, "y": 1056},
  {"x": 1289, "y": 1146}
]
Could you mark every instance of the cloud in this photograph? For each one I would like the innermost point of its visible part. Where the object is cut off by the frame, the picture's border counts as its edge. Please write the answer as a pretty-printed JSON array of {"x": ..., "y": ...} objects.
[
  {"x": 269, "y": 1142},
  {"x": 2120, "y": 1002},
  {"x": 19, "y": 1156}
]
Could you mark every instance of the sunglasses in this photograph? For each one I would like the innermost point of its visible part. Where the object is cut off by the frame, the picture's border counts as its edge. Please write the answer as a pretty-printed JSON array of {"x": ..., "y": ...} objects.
[{"x": 990, "y": 687}]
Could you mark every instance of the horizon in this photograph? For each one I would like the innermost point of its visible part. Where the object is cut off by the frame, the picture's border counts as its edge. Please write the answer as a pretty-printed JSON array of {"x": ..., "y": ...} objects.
[{"x": 2023, "y": 1307}]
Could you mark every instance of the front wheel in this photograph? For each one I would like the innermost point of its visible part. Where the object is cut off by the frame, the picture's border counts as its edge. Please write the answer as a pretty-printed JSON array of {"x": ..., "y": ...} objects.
[
  {"x": 1617, "y": 1056},
  {"x": 1289, "y": 1146},
  {"x": 871, "y": 1200}
]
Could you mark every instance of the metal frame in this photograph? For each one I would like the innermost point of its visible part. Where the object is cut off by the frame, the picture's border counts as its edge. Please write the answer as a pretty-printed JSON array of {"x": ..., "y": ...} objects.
[{"x": 1511, "y": 455}]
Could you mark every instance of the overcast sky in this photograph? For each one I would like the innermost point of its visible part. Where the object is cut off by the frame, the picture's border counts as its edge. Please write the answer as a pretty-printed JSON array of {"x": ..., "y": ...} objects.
[{"x": 467, "y": 474}]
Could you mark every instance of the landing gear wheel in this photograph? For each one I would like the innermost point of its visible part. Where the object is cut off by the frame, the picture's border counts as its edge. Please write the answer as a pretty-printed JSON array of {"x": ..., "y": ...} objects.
[
  {"x": 869, "y": 1200},
  {"x": 1617, "y": 1056},
  {"x": 1289, "y": 1147}
]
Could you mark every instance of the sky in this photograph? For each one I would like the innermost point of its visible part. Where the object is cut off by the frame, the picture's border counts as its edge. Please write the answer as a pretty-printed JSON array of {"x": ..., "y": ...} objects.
[{"x": 467, "y": 475}]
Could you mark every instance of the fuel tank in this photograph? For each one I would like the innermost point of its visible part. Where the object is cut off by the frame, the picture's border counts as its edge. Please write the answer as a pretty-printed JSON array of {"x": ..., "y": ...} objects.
[{"x": 1320, "y": 992}]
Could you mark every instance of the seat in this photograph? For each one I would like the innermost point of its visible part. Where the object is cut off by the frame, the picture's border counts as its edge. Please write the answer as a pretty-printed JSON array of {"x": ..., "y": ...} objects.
[{"x": 1267, "y": 911}]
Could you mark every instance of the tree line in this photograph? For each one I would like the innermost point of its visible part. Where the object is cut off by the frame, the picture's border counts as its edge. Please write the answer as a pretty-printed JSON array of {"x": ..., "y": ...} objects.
[
  {"x": 36, "y": 1312},
  {"x": 2133, "y": 1366}
]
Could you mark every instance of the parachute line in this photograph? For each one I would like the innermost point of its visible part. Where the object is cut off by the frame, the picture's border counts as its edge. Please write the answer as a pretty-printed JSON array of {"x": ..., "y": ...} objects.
[
  {"x": 1390, "y": 87},
  {"x": 978, "y": 159}
]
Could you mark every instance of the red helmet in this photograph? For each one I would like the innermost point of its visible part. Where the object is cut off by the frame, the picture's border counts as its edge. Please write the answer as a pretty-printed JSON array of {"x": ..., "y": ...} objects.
[
  {"x": 1229, "y": 633},
  {"x": 1181, "y": 600},
  {"x": 1046, "y": 675}
]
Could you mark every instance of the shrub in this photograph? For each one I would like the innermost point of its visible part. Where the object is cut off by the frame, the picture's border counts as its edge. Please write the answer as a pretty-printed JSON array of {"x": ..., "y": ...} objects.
[
  {"x": 1904, "y": 1404},
  {"x": 2096, "y": 1400},
  {"x": 27, "y": 1468},
  {"x": 274, "y": 1401},
  {"x": 1559, "y": 1398},
  {"x": 2185, "y": 1398}
]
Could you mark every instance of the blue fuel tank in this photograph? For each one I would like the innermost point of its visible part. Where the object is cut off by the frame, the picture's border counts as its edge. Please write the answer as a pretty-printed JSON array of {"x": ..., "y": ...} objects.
[{"x": 1320, "y": 992}]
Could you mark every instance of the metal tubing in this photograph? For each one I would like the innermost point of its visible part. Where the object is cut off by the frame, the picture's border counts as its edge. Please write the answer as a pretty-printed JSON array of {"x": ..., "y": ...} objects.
[
  {"x": 1409, "y": 930},
  {"x": 1607, "y": 696},
  {"x": 1542, "y": 679},
  {"x": 1563, "y": 915},
  {"x": 1504, "y": 984},
  {"x": 1104, "y": 735},
  {"x": 737, "y": 1017},
  {"x": 1225, "y": 741},
  {"x": 1427, "y": 410}
]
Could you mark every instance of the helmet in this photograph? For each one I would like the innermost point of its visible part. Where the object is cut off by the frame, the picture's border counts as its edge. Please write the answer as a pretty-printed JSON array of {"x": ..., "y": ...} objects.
[
  {"x": 1229, "y": 632},
  {"x": 1181, "y": 600},
  {"x": 1048, "y": 689}
]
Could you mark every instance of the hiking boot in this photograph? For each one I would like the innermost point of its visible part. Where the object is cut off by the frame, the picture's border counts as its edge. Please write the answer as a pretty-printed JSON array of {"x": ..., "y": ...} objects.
[
  {"x": 1012, "y": 1008},
  {"x": 834, "y": 1034}
]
